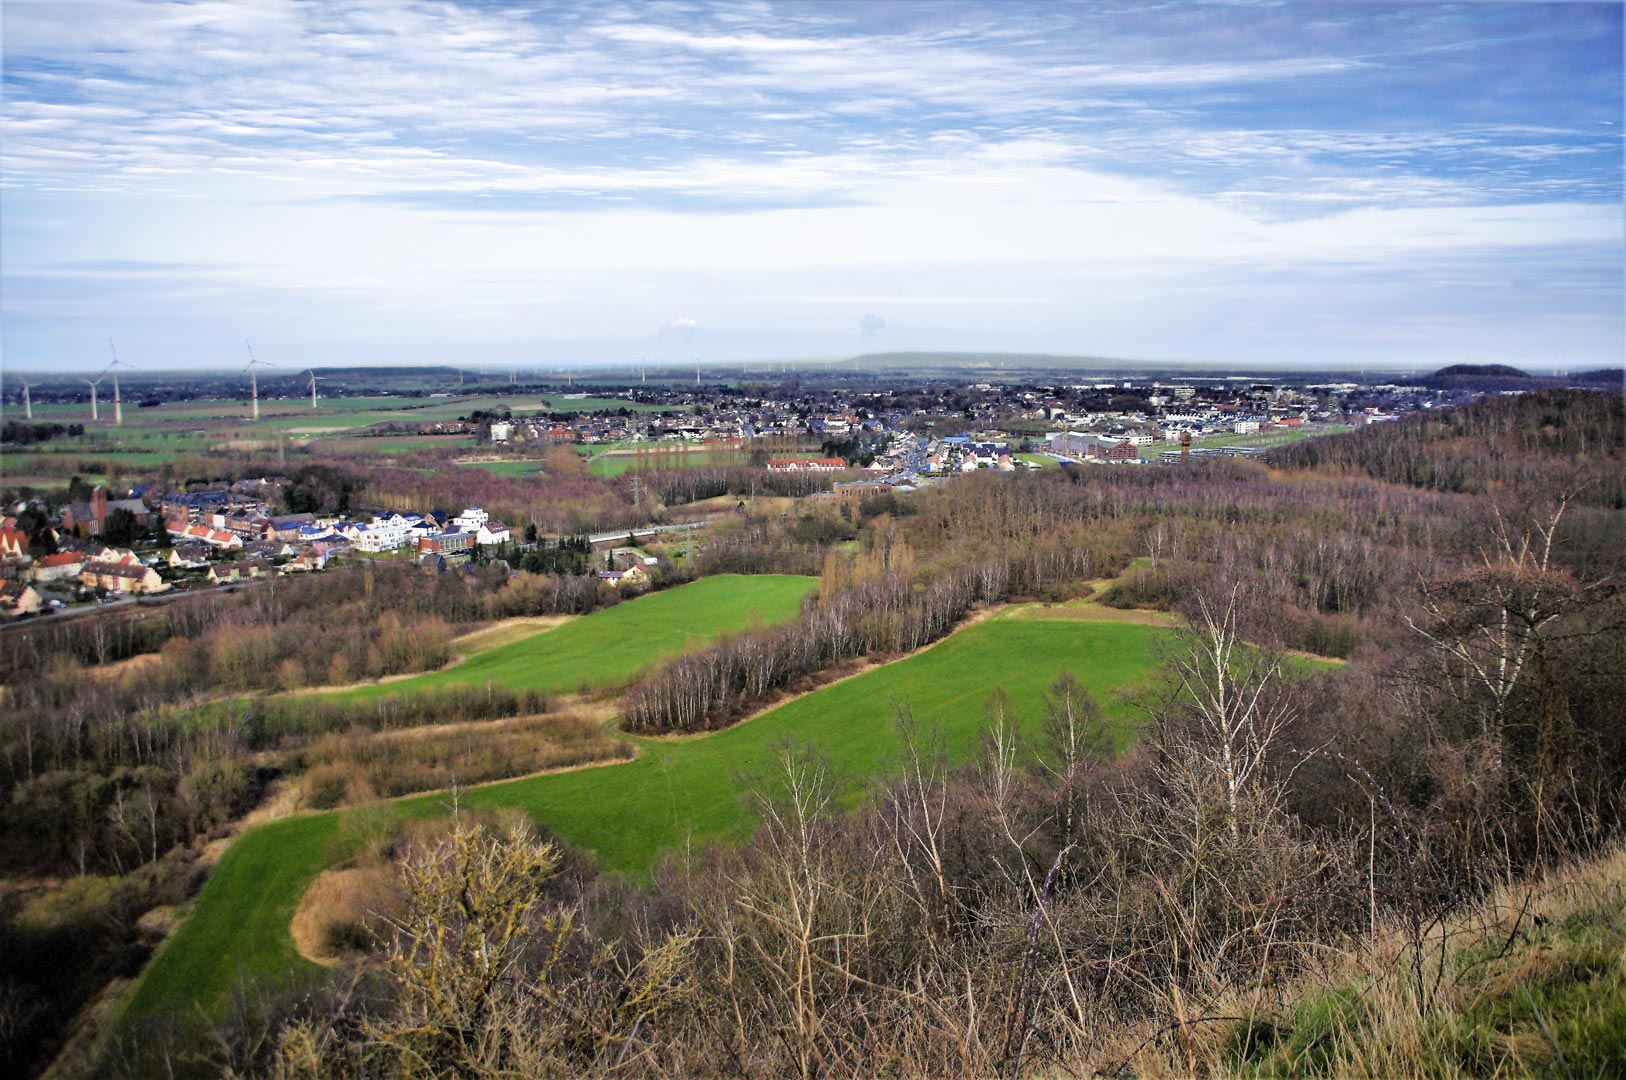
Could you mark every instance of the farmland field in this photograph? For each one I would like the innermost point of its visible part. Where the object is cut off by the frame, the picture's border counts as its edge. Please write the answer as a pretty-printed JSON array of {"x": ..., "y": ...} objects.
[
  {"x": 562, "y": 403},
  {"x": 676, "y": 792},
  {"x": 507, "y": 468},
  {"x": 610, "y": 646},
  {"x": 610, "y": 466},
  {"x": 1257, "y": 439}
]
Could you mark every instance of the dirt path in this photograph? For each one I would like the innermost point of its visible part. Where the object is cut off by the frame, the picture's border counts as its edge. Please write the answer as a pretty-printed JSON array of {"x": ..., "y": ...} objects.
[
  {"x": 1090, "y": 611},
  {"x": 508, "y": 631}
]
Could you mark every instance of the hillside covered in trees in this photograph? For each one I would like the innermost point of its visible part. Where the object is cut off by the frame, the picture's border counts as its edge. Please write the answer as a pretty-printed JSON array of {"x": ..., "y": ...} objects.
[{"x": 1052, "y": 907}]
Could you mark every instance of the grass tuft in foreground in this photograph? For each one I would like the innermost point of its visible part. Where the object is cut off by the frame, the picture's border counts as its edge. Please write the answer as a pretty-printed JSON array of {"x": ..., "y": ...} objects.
[{"x": 1531, "y": 983}]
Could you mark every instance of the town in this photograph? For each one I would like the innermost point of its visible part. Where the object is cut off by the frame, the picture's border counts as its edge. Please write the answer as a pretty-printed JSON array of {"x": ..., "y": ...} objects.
[{"x": 96, "y": 545}]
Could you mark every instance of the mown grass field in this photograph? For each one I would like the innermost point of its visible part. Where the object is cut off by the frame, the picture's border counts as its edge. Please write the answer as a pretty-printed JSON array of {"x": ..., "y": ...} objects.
[
  {"x": 678, "y": 792},
  {"x": 689, "y": 790},
  {"x": 609, "y": 647}
]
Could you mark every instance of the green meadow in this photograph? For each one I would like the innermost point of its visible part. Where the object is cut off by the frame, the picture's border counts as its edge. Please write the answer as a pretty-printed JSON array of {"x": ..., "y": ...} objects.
[
  {"x": 610, "y": 646},
  {"x": 678, "y": 792},
  {"x": 689, "y": 790}
]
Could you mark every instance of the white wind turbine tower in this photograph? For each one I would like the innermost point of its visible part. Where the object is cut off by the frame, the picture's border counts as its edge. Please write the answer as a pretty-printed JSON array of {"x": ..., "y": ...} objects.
[
  {"x": 113, "y": 369},
  {"x": 253, "y": 382},
  {"x": 93, "y": 383},
  {"x": 28, "y": 402},
  {"x": 314, "y": 379}
]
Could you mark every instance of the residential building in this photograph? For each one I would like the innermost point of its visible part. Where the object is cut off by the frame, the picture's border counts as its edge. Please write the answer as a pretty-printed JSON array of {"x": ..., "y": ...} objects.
[
  {"x": 124, "y": 575},
  {"x": 18, "y": 599},
  {"x": 63, "y": 566},
  {"x": 444, "y": 543}
]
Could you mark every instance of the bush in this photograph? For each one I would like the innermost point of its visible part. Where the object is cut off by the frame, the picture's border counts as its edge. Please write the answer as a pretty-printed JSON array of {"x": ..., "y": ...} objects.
[{"x": 326, "y": 786}]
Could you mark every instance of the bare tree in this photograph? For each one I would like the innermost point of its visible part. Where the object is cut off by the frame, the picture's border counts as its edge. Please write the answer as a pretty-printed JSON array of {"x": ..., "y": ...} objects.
[
  {"x": 1231, "y": 694},
  {"x": 1491, "y": 623}
]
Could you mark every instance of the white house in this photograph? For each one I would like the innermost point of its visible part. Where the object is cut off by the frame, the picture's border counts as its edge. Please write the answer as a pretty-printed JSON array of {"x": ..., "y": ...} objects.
[
  {"x": 492, "y": 532},
  {"x": 385, "y": 534},
  {"x": 471, "y": 519}
]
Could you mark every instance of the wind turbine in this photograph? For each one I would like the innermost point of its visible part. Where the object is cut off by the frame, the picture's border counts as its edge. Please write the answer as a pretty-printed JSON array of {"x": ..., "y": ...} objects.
[
  {"x": 93, "y": 383},
  {"x": 253, "y": 382},
  {"x": 113, "y": 369},
  {"x": 312, "y": 373},
  {"x": 28, "y": 402}
]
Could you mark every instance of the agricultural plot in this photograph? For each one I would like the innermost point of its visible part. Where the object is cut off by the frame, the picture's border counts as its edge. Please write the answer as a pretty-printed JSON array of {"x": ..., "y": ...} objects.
[
  {"x": 1256, "y": 439},
  {"x": 676, "y": 792},
  {"x": 611, "y": 646},
  {"x": 561, "y": 403},
  {"x": 506, "y": 468},
  {"x": 610, "y": 466},
  {"x": 387, "y": 445}
]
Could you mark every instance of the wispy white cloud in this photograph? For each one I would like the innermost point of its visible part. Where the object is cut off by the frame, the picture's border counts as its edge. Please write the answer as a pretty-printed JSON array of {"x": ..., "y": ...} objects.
[{"x": 461, "y": 158}]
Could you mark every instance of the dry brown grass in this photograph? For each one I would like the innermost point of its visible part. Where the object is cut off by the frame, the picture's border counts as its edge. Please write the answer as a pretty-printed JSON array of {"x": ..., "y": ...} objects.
[
  {"x": 343, "y": 910},
  {"x": 1087, "y": 611},
  {"x": 346, "y": 769},
  {"x": 506, "y": 632},
  {"x": 1530, "y": 982}
]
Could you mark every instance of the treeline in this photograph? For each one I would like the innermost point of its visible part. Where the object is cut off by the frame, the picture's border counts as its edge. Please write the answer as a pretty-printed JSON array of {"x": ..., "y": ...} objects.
[
  {"x": 357, "y": 619},
  {"x": 566, "y": 555},
  {"x": 565, "y": 498},
  {"x": 758, "y": 548},
  {"x": 77, "y": 788},
  {"x": 887, "y": 614},
  {"x": 21, "y": 433},
  {"x": 267, "y": 722},
  {"x": 340, "y": 769},
  {"x": 708, "y": 482},
  {"x": 80, "y": 737},
  {"x": 1554, "y": 440}
]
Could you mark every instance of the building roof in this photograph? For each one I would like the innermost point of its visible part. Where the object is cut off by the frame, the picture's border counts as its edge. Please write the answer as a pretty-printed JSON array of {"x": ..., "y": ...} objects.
[{"x": 127, "y": 571}]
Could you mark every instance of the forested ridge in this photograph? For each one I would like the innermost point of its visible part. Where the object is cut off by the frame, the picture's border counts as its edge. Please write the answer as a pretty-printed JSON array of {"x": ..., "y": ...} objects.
[{"x": 1526, "y": 443}]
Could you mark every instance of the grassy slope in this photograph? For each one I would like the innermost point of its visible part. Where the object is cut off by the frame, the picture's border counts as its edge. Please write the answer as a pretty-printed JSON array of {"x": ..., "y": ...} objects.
[
  {"x": 1531, "y": 983},
  {"x": 689, "y": 790},
  {"x": 240, "y": 925},
  {"x": 610, "y": 646},
  {"x": 677, "y": 791}
]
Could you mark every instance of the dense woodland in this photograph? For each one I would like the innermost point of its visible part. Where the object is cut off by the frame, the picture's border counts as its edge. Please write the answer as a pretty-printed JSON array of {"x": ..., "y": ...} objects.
[{"x": 1044, "y": 909}]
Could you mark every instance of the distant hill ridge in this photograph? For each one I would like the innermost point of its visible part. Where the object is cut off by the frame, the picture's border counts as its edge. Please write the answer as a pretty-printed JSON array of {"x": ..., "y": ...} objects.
[
  {"x": 1497, "y": 370},
  {"x": 982, "y": 359}
]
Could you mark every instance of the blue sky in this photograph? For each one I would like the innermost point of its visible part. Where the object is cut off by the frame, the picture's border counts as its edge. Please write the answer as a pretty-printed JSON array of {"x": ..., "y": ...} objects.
[{"x": 394, "y": 180}]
